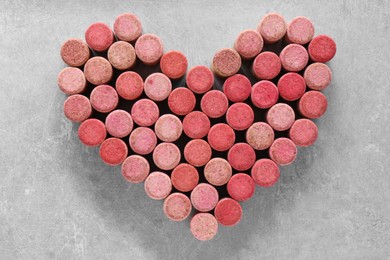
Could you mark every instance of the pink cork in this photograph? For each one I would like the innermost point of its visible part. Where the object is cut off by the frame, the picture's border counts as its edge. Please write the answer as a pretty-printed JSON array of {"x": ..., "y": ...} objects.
[
  {"x": 241, "y": 156},
  {"x": 142, "y": 140},
  {"x": 221, "y": 137},
  {"x": 228, "y": 212},
  {"x": 157, "y": 86},
  {"x": 265, "y": 172},
  {"x": 196, "y": 125},
  {"x": 77, "y": 108},
  {"x": 280, "y": 117},
  {"x": 200, "y": 79},
  {"x": 303, "y": 132},
  {"x": 135, "y": 168},
  {"x": 98, "y": 70},
  {"x": 197, "y": 152},
  {"x": 204, "y": 197},
  {"x": 267, "y": 65},
  {"x": 241, "y": 187},
  {"x": 166, "y": 156},
  {"x": 300, "y": 30},
  {"x": 92, "y": 132},
  {"x": 75, "y": 52},
  {"x": 237, "y": 88},
  {"x": 226, "y": 62},
  {"x": 185, "y": 177},
  {"x": 127, "y": 27},
  {"x": 158, "y": 185},
  {"x": 177, "y": 206},
  {"x": 145, "y": 112},
  {"x": 71, "y": 81},
  {"x": 248, "y": 44},
  {"x": 217, "y": 171},
  {"x": 121, "y": 55},
  {"x": 272, "y": 27},
  {"x": 119, "y": 123},
  {"x": 317, "y": 76},
  {"x": 181, "y": 101},
  {"x": 264, "y": 94},
  {"x": 99, "y": 36},
  {"x": 291, "y": 86},
  {"x": 214, "y": 103},
  {"x": 322, "y": 48},
  {"x": 168, "y": 128},
  {"x": 149, "y": 49},
  {"x": 204, "y": 226},
  {"x": 260, "y": 136},
  {"x": 283, "y": 151},
  {"x": 294, "y": 57},
  {"x": 104, "y": 98},
  {"x": 174, "y": 64},
  {"x": 129, "y": 85},
  {"x": 113, "y": 151},
  {"x": 240, "y": 116},
  {"x": 313, "y": 104}
]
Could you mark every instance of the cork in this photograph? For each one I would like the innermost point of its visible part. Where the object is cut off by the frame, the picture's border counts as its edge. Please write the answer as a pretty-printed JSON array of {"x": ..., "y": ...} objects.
[
  {"x": 119, "y": 123},
  {"x": 166, "y": 156},
  {"x": 265, "y": 172},
  {"x": 75, "y": 52},
  {"x": 158, "y": 185},
  {"x": 127, "y": 27},
  {"x": 317, "y": 76},
  {"x": 181, "y": 101},
  {"x": 237, "y": 88},
  {"x": 294, "y": 57},
  {"x": 291, "y": 86},
  {"x": 228, "y": 212},
  {"x": 283, "y": 151},
  {"x": 200, "y": 79},
  {"x": 264, "y": 94},
  {"x": 248, "y": 44},
  {"x": 142, "y": 140},
  {"x": 267, "y": 65},
  {"x": 197, "y": 152},
  {"x": 173, "y": 64},
  {"x": 226, "y": 62},
  {"x": 204, "y": 197},
  {"x": 214, "y": 103},
  {"x": 272, "y": 27},
  {"x": 113, "y": 151},
  {"x": 168, "y": 128},
  {"x": 240, "y": 116},
  {"x": 280, "y": 117},
  {"x": 300, "y": 30},
  {"x": 218, "y": 171},
  {"x": 322, "y": 48},
  {"x": 145, "y": 112},
  {"x": 129, "y": 85},
  {"x": 241, "y": 187},
  {"x": 196, "y": 125},
  {"x": 157, "y": 86},
  {"x": 260, "y": 136},
  {"x": 177, "y": 206},
  {"x": 313, "y": 104},
  {"x": 204, "y": 226},
  {"x": 98, "y": 71},
  {"x": 184, "y": 177},
  {"x": 303, "y": 132},
  {"x": 77, "y": 108},
  {"x": 149, "y": 49},
  {"x": 99, "y": 36},
  {"x": 121, "y": 55},
  {"x": 92, "y": 132},
  {"x": 71, "y": 81},
  {"x": 221, "y": 137},
  {"x": 104, "y": 98},
  {"x": 135, "y": 169},
  {"x": 241, "y": 156}
]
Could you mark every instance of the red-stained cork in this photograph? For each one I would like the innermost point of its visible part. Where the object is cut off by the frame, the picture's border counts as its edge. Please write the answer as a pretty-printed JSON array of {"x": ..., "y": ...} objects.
[
  {"x": 181, "y": 101},
  {"x": 283, "y": 151},
  {"x": 177, "y": 206},
  {"x": 197, "y": 152},
  {"x": 113, "y": 151},
  {"x": 71, "y": 81},
  {"x": 77, "y": 108},
  {"x": 185, "y": 177},
  {"x": 221, "y": 137},
  {"x": 129, "y": 85},
  {"x": 104, "y": 98},
  {"x": 214, "y": 103},
  {"x": 248, "y": 44},
  {"x": 226, "y": 62},
  {"x": 260, "y": 136},
  {"x": 200, "y": 79},
  {"x": 174, "y": 64},
  {"x": 291, "y": 86},
  {"x": 157, "y": 86},
  {"x": 218, "y": 171},
  {"x": 240, "y": 116},
  {"x": 98, "y": 70},
  {"x": 75, "y": 52},
  {"x": 158, "y": 185},
  {"x": 196, "y": 125},
  {"x": 142, "y": 140},
  {"x": 166, "y": 156},
  {"x": 92, "y": 132},
  {"x": 241, "y": 187},
  {"x": 228, "y": 212},
  {"x": 265, "y": 172},
  {"x": 313, "y": 104},
  {"x": 303, "y": 132},
  {"x": 119, "y": 123},
  {"x": 300, "y": 30},
  {"x": 267, "y": 65},
  {"x": 145, "y": 112},
  {"x": 149, "y": 49},
  {"x": 135, "y": 168},
  {"x": 99, "y": 36},
  {"x": 127, "y": 27},
  {"x": 121, "y": 55},
  {"x": 168, "y": 128},
  {"x": 264, "y": 94},
  {"x": 204, "y": 197},
  {"x": 317, "y": 76},
  {"x": 241, "y": 156},
  {"x": 272, "y": 27},
  {"x": 294, "y": 57},
  {"x": 280, "y": 117},
  {"x": 237, "y": 88},
  {"x": 322, "y": 48},
  {"x": 203, "y": 226}
]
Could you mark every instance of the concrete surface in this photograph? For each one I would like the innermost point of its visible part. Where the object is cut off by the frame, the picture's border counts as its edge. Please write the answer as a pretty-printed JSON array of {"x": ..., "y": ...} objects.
[{"x": 59, "y": 201}]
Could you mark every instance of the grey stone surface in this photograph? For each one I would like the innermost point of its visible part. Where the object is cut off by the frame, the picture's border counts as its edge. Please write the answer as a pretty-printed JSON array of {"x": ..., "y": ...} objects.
[{"x": 59, "y": 201}]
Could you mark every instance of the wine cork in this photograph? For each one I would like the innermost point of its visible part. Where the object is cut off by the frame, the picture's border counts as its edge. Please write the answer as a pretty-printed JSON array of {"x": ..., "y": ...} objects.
[
  {"x": 127, "y": 27},
  {"x": 260, "y": 136},
  {"x": 241, "y": 156},
  {"x": 237, "y": 88},
  {"x": 113, "y": 151},
  {"x": 221, "y": 137},
  {"x": 265, "y": 172},
  {"x": 196, "y": 125},
  {"x": 248, "y": 44},
  {"x": 157, "y": 86},
  {"x": 197, "y": 152},
  {"x": 228, "y": 212},
  {"x": 77, "y": 108},
  {"x": 303, "y": 132},
  {"x": 121, "y": 55},
  {"x": 322, "y": 48},
  {"x": 218, "y": 171},
  {"x": 267, "y": 65},
  {"x": 99, "y": 36},
  {"x": 184, "y": 177},
  {"x": 226, "y": 62},
  {"x": 200, "y": 79},
  {"x": 135, "y": 168},
  {"x": 75, "y": 52},
  {"x": 214, "y": 103},
  {"x": 119, "y": 123},
  {"x": 104, "y": 98},
  {"x": 166, "y": 156},
  {"x": 283, "y": 151},
  {"x": 204, "y": 226},
  {"x": 291, "y": 86},
  {"x": 145, "y": 112},
  {"x": 300, "y": 30},
  {"x": 149, "y": 49},
  {"x": 158, "y": 185},
  {"x": 313, "y": 104},
  {"x": 174, "y": 64},
  {"x": 264, "y": 94},
  {"x": 177, "y": 206},
  {"x": 317, "y": 76},
  {"x": 272, "y": 27},
  {"x": 241, "y": 187},
  {"x": 240, "y": 116},
  {"x": 168, "y": 128},
  {"x": 129, "y": 85},
  {"x": 294, "y": 57},
  {"x": 181, "y": 101},
  {"x": 280, "y": 117},
  {"x": 71, "y": 81},
  {"x": 92, "y": 132},
  {"x": 98, "y": 70},
  {"x": 204, "y": 197},
  {"x": 143, "y": 140}
]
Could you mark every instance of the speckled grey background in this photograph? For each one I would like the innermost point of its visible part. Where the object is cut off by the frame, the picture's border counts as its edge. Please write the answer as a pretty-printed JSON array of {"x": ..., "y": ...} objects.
[{"x": 59, "y": 201}]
